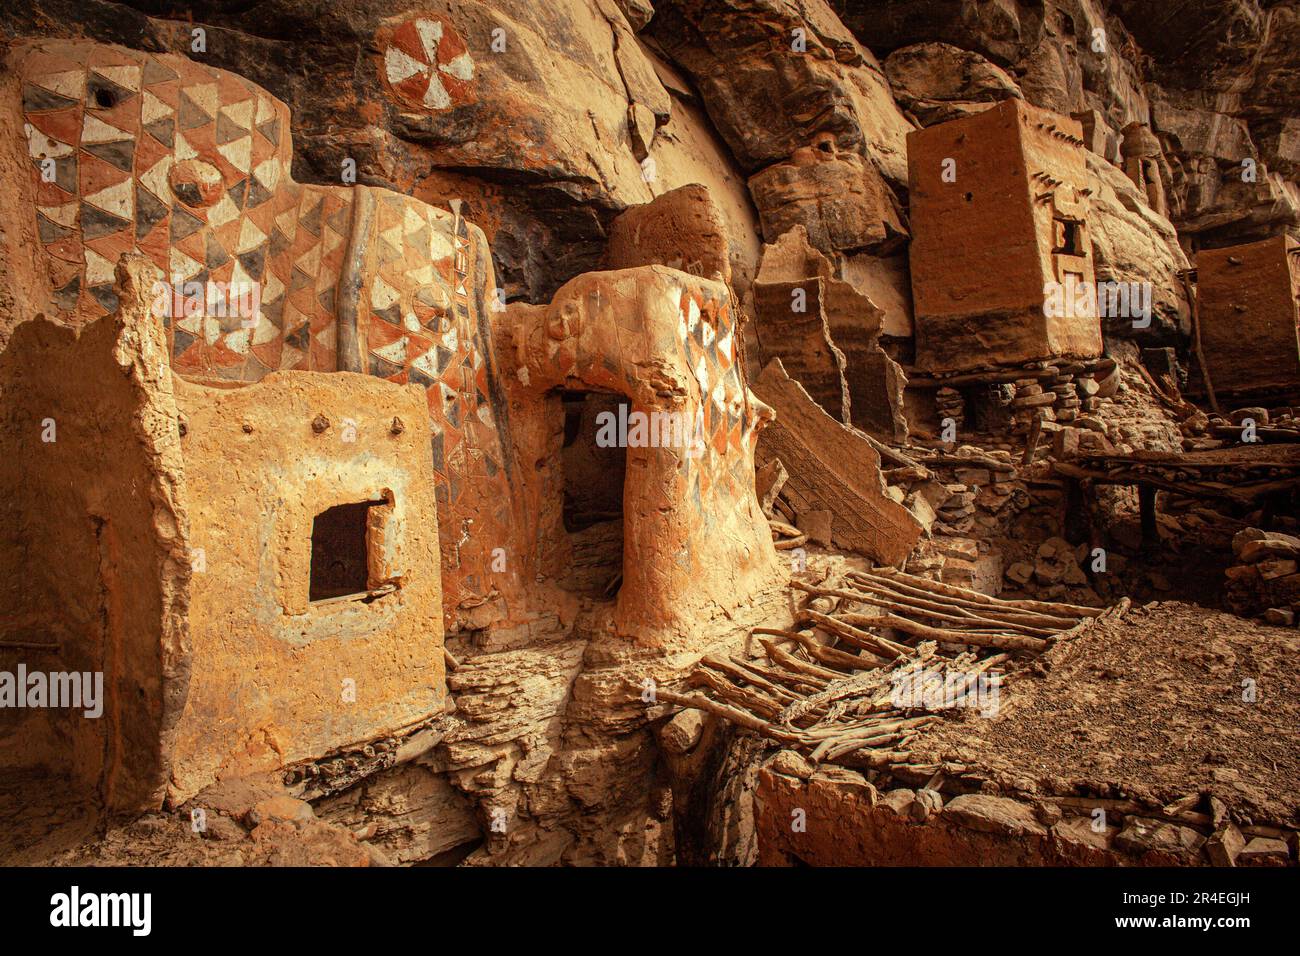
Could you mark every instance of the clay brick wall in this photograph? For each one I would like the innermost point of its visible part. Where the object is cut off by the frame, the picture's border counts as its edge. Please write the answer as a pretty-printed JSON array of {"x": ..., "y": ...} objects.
[
  {"x": 349, "y": 278},
  {"x": 165, "y": 539},
  {"x": 1246, "y": 299},
  {"x": 95, "y": 574},
  {"x": 356, "y": 279},
  {"x": 694, "y": 536},
  {"x": 981, "y": 250},
  {"x": 1053, "y": 151}
]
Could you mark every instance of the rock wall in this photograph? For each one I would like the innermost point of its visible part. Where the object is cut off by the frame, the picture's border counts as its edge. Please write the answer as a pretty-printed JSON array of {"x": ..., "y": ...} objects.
[
  {"x": 1214, "y": 81},
  {"x": 539, "y": 117}
]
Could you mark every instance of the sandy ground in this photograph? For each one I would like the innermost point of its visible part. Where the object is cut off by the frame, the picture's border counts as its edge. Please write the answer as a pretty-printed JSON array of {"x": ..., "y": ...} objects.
[{"x": 1150, "y": 706}]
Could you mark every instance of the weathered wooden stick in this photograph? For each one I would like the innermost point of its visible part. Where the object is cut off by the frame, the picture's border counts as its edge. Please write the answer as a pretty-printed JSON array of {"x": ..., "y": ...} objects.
[
  {"x": 739, "y": 671},
  {"x": 993, "y": 661},
  {"x": 837, "y": 658},
  {"x": 974, "y": 461},
  {"x": 824, "y": 654},
  {"x": 795, "y": 685},
  {"x": 823, "y": 674},
  {"x": 857, "y": 685},
  {"x": 875, "y": 723},
  {"x": 830, "y": 749},
  {"x": 780, "y": 527},
  {"x": 1031, "y": 442},
  {"x": 1014, "y": 642},
  {"x": 1194, "y": 308},
  {"x": 774, "y": 631},
  {"x": 887, "y": 453},
  {"x": 1244, "y": 493},
  {"x": 869, "y": 744},
  {"x": 871, "y": 738},
  {"x": 990, "y": 624},
  {"x": 1047, "y": 607},
  {"x": 748, "y": 698},
  {"x": 732, "y": 714},
  {"x": 926, "y": 601},
  {"x": 870, "y": 642},
  {"x": 929, "y": 609},
  {"x": 1054, "y": 622}
]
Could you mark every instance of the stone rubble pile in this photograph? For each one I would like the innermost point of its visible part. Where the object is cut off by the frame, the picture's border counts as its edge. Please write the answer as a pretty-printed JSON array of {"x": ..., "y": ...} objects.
[{"x": 1266, "y": 579}]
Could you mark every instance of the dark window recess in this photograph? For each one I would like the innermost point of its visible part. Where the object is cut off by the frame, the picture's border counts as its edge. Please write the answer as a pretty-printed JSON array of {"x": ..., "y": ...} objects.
[
  {"x": 1069, "y": 237},
  {"x": 339, "y": 563},
  {"x": 592, "y": 506}
]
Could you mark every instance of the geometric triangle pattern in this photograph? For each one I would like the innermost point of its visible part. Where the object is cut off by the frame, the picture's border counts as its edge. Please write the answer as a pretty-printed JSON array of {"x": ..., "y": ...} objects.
[
  {"x": 725, "y": 429},
  {"x": 421, "y": 315},
  {"x": 153, "y": 154},
  {"x": 189, "y": 166}
]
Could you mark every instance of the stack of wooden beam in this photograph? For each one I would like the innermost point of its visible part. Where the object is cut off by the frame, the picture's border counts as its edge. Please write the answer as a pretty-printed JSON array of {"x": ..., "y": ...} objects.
[{"x": 829, "y": 686}]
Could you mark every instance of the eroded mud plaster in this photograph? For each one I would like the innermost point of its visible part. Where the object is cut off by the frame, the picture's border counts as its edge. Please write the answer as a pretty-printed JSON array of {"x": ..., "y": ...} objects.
[{"x": 999, "y": 206}]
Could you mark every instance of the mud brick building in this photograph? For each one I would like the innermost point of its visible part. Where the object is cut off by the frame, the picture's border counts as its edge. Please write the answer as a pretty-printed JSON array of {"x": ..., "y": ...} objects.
[
  {"x": 1247, "y": 305},
  {"x": 265, "y": 579},
  {"x": 303, "y": 496},
  {"x": 1013, "y": 219},
  {"x": 492, "y": 433}
]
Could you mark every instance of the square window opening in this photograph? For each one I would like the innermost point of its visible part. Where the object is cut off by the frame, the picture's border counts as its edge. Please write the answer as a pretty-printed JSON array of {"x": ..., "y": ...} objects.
[
  {"x": 1069, "y": 237},
  {"x": 340, "y": 551}
]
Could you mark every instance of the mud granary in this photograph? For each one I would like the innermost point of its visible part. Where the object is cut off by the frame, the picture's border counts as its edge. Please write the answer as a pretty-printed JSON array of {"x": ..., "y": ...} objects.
[
  {"x": 1000, "y": 193},
  {"x": 1250, "y": 321},
  {"x": 259, "y": 519}
]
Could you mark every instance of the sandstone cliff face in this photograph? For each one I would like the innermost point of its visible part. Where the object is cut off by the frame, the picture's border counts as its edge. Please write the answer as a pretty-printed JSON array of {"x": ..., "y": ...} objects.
[
  {"x": 1216, "y": 81},
  {"x": 758, "y": 125},
  {"x": 562, "y": 106},
  {"x": 544, "y": 137}
]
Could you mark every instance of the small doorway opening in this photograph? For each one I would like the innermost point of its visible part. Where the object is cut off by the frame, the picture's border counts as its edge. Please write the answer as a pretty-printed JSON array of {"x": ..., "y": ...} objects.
[
  {"x": 340, "y": 563},
  {"x": 594, "y": 460},
  {"x": 988, "y": 409}
]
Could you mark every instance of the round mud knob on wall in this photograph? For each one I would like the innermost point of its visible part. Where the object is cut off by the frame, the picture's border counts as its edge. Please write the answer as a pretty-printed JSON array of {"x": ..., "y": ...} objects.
[{"x": 195, "y": 183}]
